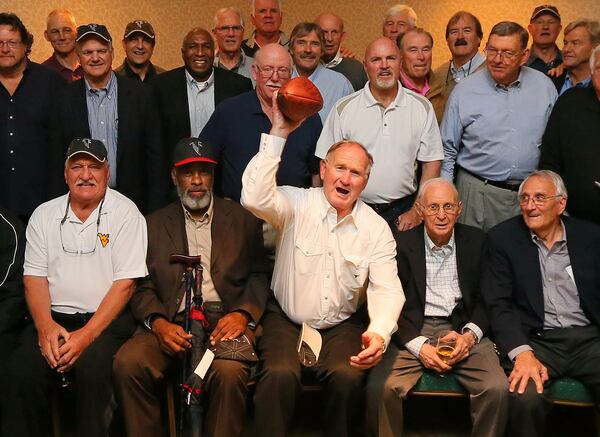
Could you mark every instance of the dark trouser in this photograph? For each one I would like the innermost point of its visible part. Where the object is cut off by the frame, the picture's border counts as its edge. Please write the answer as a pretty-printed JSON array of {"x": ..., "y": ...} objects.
[
  {"x": 573, "y": 352},
  {"x": 279, "y": 381},
  {"x": 391, "y": 211},
  {"x": 28, "y": 380},
  {"x": 140, "y": 368}
]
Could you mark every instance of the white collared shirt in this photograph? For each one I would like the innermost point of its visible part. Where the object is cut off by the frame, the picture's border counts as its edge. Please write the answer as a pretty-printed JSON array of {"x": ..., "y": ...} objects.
[
  {"x": 201, "y": 101},
  {"x": 324, "y": 269},
  {"x": 113, "y": 249}
]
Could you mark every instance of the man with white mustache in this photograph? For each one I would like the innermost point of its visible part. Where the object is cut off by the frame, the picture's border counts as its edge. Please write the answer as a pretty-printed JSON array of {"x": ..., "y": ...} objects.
[
  {"x": 252, "y": 113},
  {"x": 84, "y": 252},
  {"x": 187, "y": 96},
  {"x": 234, "y": 292},
  {"x": 306, "y": 47},
  {"x": 397, "y": 126}
]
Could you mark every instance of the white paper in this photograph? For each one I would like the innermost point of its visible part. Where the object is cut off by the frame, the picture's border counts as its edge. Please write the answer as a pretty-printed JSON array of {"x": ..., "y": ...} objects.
[
  {"x": 205, "y": 363},
  {"x": 312, "y": 338}
]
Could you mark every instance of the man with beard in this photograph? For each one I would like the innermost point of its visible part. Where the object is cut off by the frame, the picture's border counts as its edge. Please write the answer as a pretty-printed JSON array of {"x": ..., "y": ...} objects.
[
  {"x": 228, "y": 33},
  {"x": 253, "y": 116},
  {"x": 234, "y": 291},
  {"x": 138, "y": 42},
  {"x": 333, "y": 31},
  {"x": 397, "y": 126},
  {"x": 306, "y": 46},
  {"x": 493, "y": 126},
  {"x": 544, "y": 27},
  {"x": 61, "y": 31},
  {"x": 463, "y": 35}
]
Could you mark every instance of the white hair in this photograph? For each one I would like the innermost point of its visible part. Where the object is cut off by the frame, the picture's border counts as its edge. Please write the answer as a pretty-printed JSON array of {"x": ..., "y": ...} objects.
[
  {"x": 559, "y": 185},
  {"x": 400, "y": 8},
  {"x": 594, "y": 58},
  {"x": 229, "y": 9},
  {"x": 435, "y": 181},
  {"x": 254, "y": 5}
]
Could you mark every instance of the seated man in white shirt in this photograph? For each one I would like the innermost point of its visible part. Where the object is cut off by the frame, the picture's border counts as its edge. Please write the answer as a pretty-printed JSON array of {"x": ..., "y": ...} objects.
[
  {"x": 334, "y": 254},
  {"x": 84, "y": 251}
]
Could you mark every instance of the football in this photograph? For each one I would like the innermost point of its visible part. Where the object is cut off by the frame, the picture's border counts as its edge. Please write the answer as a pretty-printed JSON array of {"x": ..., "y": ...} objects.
[{"x": 299, "y": 98}]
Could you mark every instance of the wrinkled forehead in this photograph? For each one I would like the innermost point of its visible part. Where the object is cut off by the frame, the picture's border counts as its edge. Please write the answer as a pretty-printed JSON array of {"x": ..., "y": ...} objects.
[{"x": 274, "y": 56}]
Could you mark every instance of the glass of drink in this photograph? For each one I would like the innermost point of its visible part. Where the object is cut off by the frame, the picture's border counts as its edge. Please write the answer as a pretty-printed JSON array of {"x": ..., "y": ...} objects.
[{"x": 445, "y": 345}]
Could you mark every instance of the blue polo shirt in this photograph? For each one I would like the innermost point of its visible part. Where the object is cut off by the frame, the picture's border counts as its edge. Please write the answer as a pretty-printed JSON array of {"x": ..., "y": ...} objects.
[{"x": 234, "y": 130}]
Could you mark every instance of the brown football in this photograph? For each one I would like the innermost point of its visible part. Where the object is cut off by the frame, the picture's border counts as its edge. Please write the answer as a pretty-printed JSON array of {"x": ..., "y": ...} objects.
[{"x": 299, "y": 98}]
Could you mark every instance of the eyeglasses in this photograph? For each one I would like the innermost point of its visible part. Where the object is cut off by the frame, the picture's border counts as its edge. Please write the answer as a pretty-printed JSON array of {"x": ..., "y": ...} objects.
[
  {"x": 505, "y": 55},
  {"x": 233, "y": 29},
  {"x": 434, "y": 208},
  {"x": 266, "y": 72},
  {"x": 538, "y": 199},
  {"x": 77, "y": 251},
  {"x": 11, "y": 44}
]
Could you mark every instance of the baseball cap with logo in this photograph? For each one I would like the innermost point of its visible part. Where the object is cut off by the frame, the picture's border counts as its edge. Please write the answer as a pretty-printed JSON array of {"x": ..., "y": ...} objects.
[
  {"x": 93, "y": 29},
  {"x": 94, "y": 148},
  {"x": 545, "y": 9},
  {"x": 139, "y": 26},
  {"x": 193, "y": 150}
]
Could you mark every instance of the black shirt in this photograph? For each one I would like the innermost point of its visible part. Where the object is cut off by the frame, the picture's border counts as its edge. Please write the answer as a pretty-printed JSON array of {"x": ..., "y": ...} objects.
[{"x": 24, "y": 122}]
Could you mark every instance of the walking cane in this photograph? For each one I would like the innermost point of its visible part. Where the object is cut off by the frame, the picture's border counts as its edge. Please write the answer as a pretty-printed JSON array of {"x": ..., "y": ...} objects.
[{"x": 191, "y": 263}]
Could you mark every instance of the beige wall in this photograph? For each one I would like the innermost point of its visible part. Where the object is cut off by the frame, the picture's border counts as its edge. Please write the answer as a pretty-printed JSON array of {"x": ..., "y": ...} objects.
[{"x": 171, "y": 19}]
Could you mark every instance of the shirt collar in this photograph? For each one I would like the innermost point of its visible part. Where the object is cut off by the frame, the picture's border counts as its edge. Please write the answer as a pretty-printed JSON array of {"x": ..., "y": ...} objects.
[
  {"x": 107, "y": 206},
  {"x": 313, "y": 75},
  {"x": 326, "y": 209},
  {"x": 337, "y": 60},
  {"x": 201, "y": 86},
  {"x": 283, "y": 39},
  {"x": 553, "y": 63},
  {"x": 584, "y": 83},
  {"x": 206, "y": 217},
  {"x": 371, "y": 101},
  {"x": 432, "y": 247},
  {"x": 109, "y": 85},
  {"x": 241, "y": 63},
  {"x": 538, "y": 241},
  {"x": 408, "y": 84},
  {"x": 467, "y": 68},
  {"x": 499, "y": 87},
  {"x": 151, "y": 71}
]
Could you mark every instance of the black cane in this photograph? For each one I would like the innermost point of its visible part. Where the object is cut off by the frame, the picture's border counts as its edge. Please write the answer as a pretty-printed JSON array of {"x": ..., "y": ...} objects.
[{"x": 191, "y": 263}]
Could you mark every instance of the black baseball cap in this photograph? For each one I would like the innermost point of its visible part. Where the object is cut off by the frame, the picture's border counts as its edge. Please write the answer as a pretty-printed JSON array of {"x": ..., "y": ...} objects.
[
  {"x": 544, "y": 9},
  {"x": 94, "y": 148},
  {"x": 93, "y": 29},
  {"x": 193, "y": 150},
  {"x": 139, "y": 26}
]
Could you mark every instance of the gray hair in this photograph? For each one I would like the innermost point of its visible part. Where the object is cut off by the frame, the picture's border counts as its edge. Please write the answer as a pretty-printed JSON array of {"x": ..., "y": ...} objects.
[
  {"x": 509, "y": 28},
  {"x": 279, "y": 2},
  {"x": 398, "y": 9},
  {"x": 65, "y": 13},
  {"x": 434, "y": 181},
  {"x": 559, "y": 185},
  {"x": 236, "y": 11},
  {"x": 592, "y": 27},
  {"x": 594, "y": 58},
  {"x": 341, "y": 143}
]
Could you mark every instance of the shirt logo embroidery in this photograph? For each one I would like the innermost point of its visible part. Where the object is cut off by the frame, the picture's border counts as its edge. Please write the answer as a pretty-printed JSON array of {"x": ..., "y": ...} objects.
[{"x": 104, "y": 239}]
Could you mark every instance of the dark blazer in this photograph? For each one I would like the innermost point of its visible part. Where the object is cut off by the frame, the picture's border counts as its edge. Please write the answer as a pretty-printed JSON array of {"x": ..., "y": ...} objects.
[
  {"x": 170, "y": 92},
  {"x": 140, "y": 158},
  {"x": 238, "y": 264},
  {"x": 512, "y": 280},
  {"x": 411, "y": 269}
]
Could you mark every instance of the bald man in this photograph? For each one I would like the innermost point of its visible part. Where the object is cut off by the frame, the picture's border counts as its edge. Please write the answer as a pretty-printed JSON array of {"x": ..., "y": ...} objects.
[
  {"x": 333, "y": 30},
  {"x": 187, "y": 96},
  {"x": 61, "y": 31},
  {"x": 397, "y": 126}
]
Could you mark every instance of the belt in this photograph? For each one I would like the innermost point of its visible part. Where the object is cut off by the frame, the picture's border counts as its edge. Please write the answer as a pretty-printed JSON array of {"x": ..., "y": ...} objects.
[
  {"x": 505, "y": 185},
  {"x": 382, "y": 207}
]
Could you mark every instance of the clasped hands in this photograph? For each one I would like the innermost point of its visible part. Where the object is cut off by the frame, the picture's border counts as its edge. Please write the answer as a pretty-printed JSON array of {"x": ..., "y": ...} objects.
[
  {"x": 61, "y": 348},
  {"x": 431, "y": 360}
]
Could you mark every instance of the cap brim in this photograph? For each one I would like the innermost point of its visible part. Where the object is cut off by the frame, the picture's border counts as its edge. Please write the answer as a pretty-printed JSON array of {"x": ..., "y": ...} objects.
[
  {"x": 87, "y": 153},
  {"x": 544, "y": 11},
  {"x": 198, "y": 159},
  {"x": 91, "y": 32},
  {"x": 138, "y": 31}
]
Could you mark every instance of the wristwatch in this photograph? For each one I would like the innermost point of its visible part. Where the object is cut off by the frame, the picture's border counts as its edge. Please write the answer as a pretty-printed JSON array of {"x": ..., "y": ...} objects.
[{"x": 470, "y": 331}]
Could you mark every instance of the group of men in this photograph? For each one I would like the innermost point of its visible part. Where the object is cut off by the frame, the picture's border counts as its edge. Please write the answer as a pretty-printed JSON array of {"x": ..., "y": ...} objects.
[{"x": 411, "y": 207}]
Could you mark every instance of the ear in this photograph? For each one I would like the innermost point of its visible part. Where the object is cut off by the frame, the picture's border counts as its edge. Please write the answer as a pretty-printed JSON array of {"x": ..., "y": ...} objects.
[
  {"x": 459, "y": 210},
  {"x": 174, "y": 176},
  {"x": 417, "y": 207},
  {"x": 123, "y": 43},
  {"x": 524, "y": 57},
  {"x": 322, "y": 167},
  {"x": 46, "y": 35}
]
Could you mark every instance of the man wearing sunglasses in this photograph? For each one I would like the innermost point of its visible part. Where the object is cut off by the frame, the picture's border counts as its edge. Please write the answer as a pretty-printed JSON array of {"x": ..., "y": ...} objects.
[
  {"x": 493, "y": 126},
  {"x": 540, "y": 276},
  {"x": 84, "y": 251},
  {"x": 439, "y": 265}
]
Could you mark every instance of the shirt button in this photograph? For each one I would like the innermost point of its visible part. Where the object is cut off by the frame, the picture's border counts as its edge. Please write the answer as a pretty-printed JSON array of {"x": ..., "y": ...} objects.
[
  {"x": 326, "y": 298},
  {"x": 12, "y": 151},
  {"x": 326, "y": 276},
  {"x": 13, "y": 169},
  {"x": 10, "y": 117},
  {"x": 101, "y": 122},
  {"x": 11, "y": 134}
]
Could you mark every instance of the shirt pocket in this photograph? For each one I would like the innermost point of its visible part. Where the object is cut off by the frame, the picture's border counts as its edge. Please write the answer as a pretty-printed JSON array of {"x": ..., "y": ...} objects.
[
  {"x": 354, "y": 275},
  {"x": 308, "y": 256}
]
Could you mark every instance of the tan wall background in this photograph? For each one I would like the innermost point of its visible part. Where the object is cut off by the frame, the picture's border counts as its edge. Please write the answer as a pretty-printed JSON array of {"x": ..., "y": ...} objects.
[{"x": 363, "y": 18}]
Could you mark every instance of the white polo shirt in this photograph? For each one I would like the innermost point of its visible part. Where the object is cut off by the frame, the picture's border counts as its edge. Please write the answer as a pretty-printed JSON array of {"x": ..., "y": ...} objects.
[
  {"x": 112, "y": 250},
  {"x": 397, "y": 136}
]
